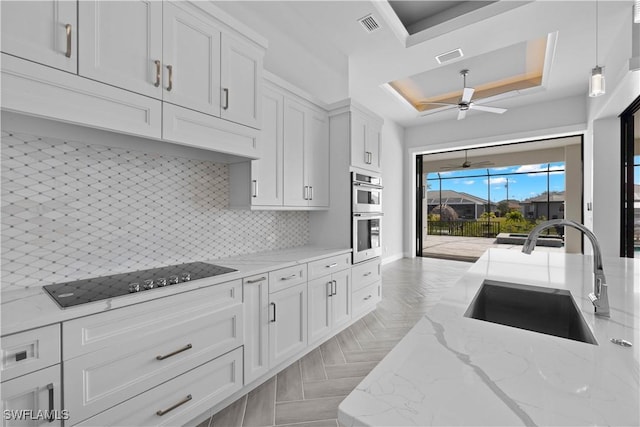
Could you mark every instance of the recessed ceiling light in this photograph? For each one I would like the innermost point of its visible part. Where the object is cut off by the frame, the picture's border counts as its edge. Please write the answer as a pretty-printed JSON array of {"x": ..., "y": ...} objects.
[{"x": 449, "y": 56}]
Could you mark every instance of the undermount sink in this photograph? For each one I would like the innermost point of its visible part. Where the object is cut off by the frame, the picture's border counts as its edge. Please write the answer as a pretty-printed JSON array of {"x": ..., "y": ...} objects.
[{"x": 544, "y": 310}]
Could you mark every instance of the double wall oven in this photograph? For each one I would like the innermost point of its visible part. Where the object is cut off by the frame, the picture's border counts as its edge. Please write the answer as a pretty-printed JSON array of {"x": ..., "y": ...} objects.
[{"x": 366, "y": 211}]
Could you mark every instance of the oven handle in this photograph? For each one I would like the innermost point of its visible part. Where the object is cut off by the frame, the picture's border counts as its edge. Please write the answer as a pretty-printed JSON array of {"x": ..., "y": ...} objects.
[
  {"x": 364, "y": 184},
  {"x": 368, "y": 214}
]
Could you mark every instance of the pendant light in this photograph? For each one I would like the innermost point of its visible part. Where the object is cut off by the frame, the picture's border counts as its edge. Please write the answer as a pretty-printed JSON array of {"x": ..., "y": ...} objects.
[{"x": 596, "y": 84}]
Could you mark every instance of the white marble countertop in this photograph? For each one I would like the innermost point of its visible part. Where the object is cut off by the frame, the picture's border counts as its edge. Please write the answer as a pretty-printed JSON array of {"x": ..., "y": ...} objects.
[
  {"x": 32, "y": 308},
  {"x": 453, "y": 370}
]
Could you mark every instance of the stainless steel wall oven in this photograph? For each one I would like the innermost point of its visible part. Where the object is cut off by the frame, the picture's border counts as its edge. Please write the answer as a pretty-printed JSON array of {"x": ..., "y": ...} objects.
[{"x": 366, "y": 212}]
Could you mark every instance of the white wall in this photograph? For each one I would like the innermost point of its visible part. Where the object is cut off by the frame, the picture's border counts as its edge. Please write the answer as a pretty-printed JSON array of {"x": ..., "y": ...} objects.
[{"x": 393, "y": 206}]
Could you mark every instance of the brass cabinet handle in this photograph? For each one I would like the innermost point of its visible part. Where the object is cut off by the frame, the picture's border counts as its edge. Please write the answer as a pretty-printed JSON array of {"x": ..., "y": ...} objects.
[
  {"x": 51, "y": 403},
  {"x": 255, "y": 188},
  {"x": 170, "y": 85},
  {"x": 67, "y": 29},
  {"x": 260, "y": 279},
  {"x": 173, "y": 353},
  {"x": 226, "y": 98},
  {"x": 158, "y": 71},
  {"x": 172, "y": 407}
]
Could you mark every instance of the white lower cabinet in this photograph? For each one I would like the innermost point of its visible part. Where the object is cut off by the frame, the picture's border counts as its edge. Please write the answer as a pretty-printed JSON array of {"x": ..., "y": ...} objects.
[
  {"x": 256, "y": 326},
  {"x": 179, "y": 400},
  {"x": 287, "y": 323},
  {"x": 329, "y": 304},
  {"x": 367, "y": 286},
  {"x": 34, "y": 399},
  {"x": 150, "y": 343}
]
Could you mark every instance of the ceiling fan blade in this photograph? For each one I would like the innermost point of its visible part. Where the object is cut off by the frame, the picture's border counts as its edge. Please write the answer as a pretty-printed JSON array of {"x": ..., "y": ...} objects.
[
  {"x": 467, "y": 94},
  {"x": 462, "y": 114},
  {"x": 434, "y": 103},
  {"x": 488, "y": 109}
]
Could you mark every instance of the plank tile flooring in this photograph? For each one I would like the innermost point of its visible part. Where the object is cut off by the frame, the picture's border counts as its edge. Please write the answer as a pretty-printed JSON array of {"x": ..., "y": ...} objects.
[{"x": 308, "y": 392}]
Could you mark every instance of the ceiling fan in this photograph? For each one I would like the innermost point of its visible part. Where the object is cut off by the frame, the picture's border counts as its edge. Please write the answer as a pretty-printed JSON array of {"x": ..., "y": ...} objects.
[
  {"x": 466, "y": 164},
  {"x": 466, "y": 103}
]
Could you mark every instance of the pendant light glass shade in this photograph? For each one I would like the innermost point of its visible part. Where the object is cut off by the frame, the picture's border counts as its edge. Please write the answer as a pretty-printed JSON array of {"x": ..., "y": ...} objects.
[{"x": 596, "y": 84}]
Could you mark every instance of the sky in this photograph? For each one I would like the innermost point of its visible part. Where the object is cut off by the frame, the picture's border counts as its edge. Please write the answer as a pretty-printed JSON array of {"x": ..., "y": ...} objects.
[{"x": 523, "y": 181}]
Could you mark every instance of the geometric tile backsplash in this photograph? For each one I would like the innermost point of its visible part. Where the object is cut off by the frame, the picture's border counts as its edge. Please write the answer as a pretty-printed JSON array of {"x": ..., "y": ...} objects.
[{"x": 73, "y": 210}]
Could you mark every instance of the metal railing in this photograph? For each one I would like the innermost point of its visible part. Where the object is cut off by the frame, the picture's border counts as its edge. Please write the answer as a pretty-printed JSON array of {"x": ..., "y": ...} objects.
[{"x": 463, "y": 228}]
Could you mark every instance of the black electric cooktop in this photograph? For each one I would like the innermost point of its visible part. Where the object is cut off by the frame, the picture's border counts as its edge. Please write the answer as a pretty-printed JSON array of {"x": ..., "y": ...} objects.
[{"x": 90, "y": 290}]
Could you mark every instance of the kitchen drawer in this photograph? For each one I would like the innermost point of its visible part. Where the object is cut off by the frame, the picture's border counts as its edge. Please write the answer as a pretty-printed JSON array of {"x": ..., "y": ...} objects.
[
  {"x": 287, "y": 277},
  {"x": 328, "y": 265},
  {"x": 99, "y": 380},
  {"x": 199, "y": 389},
  {"x": 35, "y": 392},
  {"x": 365, "y": 273},
  {"x": 116, "y": 328},
  {"x": 29, "y": 351},
  {"x": 366, "y": 298}
]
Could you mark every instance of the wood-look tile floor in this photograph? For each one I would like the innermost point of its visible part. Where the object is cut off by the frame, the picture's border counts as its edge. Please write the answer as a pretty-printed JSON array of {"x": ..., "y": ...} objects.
[{"x": 308, "y": 392}]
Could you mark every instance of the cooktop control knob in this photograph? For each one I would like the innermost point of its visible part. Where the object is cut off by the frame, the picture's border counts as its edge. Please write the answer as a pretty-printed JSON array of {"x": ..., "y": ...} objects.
[
  {"x": 134, "y": 287},
  {"x": 186, "y": 277},
  {"x": 161, "y": 281},
  {"x": 148, "y": 284},
  {"x": 173, "y": 280}
]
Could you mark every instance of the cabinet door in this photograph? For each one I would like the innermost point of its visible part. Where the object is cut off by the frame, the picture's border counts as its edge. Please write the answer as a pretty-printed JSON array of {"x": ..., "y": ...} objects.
[
  {"x": 191, "y": 55},
  {"x": 256, "y": 314},
  {"x": 359, "y": 131},
  {"x": 373, "y": 147},
  {"x": 287, "y": 323},
  {"x": 319, "y": 304},
  {"x": 121, "y": 44},
  {"x": 34, "y": 392},
  {"x": 295, "y": 188},
  {"x": 316, "y": 155},
  {"x": 41, "y": 31},
  {"x": 267, "y": 172},
  {"x": 241, "y": 81},
  {"x": 341, "y": 299}
]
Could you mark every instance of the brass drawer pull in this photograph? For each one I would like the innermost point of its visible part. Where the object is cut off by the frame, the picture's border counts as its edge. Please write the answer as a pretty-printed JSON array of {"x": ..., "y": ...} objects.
[
  {"x": 67, "y": 28},
  {"x": 170, "y": 86},
  {"x": 158, "y": 71},
  {"x": 185, "y": 348},
  {"x": 171, "y": 408},
  {"x": 259, "y": 279},
  {"x": 335, "y": 264}
]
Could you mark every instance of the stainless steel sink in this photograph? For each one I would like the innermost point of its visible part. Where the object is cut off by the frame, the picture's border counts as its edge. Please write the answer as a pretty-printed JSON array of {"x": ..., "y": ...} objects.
[{"x": 544, "y": 310}]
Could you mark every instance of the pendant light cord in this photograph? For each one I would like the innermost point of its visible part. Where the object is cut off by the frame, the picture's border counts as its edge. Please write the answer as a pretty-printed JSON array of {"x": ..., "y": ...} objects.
[{"x": 596, "y": 32}]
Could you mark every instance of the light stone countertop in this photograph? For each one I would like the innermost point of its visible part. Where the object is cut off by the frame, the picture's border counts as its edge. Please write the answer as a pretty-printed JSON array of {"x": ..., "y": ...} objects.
[
  {"x": 32, "y": 308},
  {"x": 453, "y": 370}
]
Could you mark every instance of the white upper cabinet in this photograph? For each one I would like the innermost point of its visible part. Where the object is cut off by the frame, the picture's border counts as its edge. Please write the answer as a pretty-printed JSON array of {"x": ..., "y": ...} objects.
[
  {"x": 306, "y": 155},
  {"x": 191, "y": 61},
  {"x": 121, "y": 44},
  {"x": 41, "y": 31},
  {"x": 173, "y": 51},
  {"x": 266, "y": 173},
  {"x": 365, "y": 142},
  {"x": 241, "y": 81}
]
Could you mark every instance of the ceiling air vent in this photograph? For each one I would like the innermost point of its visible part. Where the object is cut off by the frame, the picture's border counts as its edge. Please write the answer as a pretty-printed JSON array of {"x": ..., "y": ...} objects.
[
  {"x": 449, "y": 56},
  {"x": 369, "y": 23}
]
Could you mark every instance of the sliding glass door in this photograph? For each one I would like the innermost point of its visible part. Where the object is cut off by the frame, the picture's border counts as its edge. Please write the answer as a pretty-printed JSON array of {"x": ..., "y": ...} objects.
[{"x": 630, "y": 181}]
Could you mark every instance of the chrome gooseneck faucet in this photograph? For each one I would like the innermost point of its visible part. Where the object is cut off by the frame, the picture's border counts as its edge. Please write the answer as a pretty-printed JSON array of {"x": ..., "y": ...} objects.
[{"x": 599, "y": 297}]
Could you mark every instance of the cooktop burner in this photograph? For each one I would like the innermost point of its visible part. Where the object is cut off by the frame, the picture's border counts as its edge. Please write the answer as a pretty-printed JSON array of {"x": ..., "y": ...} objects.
[{"x": 90, "y": 290}]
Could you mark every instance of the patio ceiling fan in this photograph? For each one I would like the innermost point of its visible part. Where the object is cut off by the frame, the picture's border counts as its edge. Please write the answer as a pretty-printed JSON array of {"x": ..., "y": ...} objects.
[
  {"x": 466, "y": 164},
  {"x": 466, "y": 102}
]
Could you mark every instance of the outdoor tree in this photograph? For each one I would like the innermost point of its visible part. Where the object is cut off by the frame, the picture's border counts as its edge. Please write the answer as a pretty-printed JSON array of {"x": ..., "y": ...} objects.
[
  {"x": 446, "y": 213},
  {"x": 514, "y": 216},
  {"x": 503, "y": 207}
]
